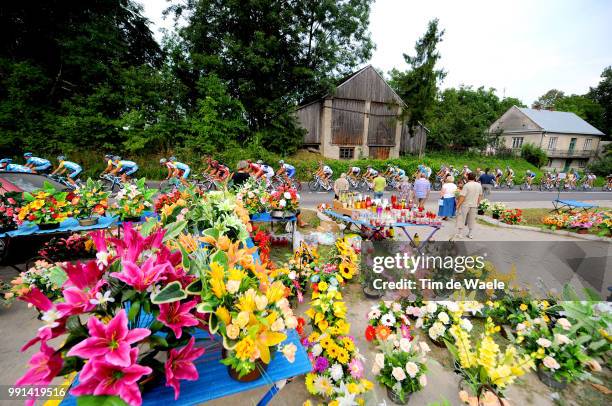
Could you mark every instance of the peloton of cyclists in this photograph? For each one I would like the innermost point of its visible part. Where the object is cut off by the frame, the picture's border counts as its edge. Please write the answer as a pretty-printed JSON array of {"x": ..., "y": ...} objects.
[{"x": 72, "y": 169}]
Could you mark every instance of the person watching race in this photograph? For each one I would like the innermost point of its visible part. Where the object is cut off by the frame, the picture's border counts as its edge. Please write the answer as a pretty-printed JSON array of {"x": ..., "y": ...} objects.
[
  {"x": 286, "y": 171},
  {"x": 36, "y": 164},
  {"x": 124, "y": 168},
  {"x": 71, "y": 168},
  {"x": 6, "y": 165}
]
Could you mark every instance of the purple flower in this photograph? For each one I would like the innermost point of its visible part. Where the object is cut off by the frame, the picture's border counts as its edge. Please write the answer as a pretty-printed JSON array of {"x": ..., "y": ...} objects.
[{"x": 321, "y": 364}]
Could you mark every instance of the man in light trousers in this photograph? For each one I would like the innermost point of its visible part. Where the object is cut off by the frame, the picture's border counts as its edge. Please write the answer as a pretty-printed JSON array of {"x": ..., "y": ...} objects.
[{"x": 467, "y": 206}]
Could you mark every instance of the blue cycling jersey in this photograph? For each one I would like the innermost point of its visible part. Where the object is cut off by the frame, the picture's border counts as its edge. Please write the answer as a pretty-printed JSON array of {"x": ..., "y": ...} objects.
[
  {"x": 36, "y": 161},
  {"x": 71, "y": 166},
  {"x": 127, "y": 164},
  {"x": 181, "y": 166},
  {"x": 288, "y": 167},
  {"x": 17, "y": 168}
]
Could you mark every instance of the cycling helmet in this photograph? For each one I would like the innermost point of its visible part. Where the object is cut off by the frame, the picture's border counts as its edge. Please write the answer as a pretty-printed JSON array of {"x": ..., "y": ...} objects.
[
  {"x": 116, "y": 158},
  {"x": 108, "y": 156},
  {"x": 259, "y": 162},
  {"x": 281, "y": 162},
  {"x": 27, "y": 154},
  {"x": 61, "y": 157},
  {"x": 369, "y": 166},
  {"x": 6, "y": 161},
  {"x": 172, "y": 159},
  {"x": 163, "y": 161}
]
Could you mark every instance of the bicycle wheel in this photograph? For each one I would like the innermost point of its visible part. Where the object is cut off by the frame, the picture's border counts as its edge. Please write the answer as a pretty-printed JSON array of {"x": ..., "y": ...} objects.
[{"x": 313, "y": 185}]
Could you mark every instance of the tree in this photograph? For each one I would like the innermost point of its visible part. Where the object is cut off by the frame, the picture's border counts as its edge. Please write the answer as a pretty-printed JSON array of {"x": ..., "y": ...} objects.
[
  {"x": 602, "y": 94},
  {"x": 418, "y": 85},
  {"x": 272, "y": 54},
  {"x": 548, "y": 99},
  {"x": 584, "y": 107}
]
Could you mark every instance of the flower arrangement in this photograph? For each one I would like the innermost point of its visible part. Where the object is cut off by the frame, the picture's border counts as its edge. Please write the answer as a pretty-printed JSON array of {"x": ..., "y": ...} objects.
[
  {"x": 285, "y": 198},
  {"x": 497, "y": 209},
  {"x": 245, "y": 307},
  {"x": 254, "y": 196},
  {"x": 90, "y": 199},
  {"x": 516, "y": 307},
  {"x": 45, "y": 206},
  {"x": 387, "y": 319},
  {"x": 605, "y": 226},
  {"x": 45, "y": 276},
  {"x": 9, "y": 208},
  {"x": 75, "y": 246},
  {"x": 218, "y": 211},
  {"x": 132, "y": 296},
  {"x": 400, "y": 366},
  {"x": 173, "y": 206},
  {"x": 583, "y": 221},
  {"x": 484, "y": 205},
  {"x": 134, "y": 199},
  {"x": 484, "y": 366},
  {"x": 512, "y": 216},
  {"x": 437, "y": 318}
]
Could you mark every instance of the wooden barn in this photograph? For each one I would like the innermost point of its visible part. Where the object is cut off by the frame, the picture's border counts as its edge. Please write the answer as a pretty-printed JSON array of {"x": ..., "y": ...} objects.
[{"x": 360, "y": 119}]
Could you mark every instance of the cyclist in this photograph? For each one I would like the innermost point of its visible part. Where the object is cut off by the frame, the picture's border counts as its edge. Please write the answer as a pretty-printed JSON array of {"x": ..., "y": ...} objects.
[
  {"x": 590, "y": 179},
  {"x": 286, "y": 171},
  {"x": 509, "y": 174},
  {"x": 609, "y": 181},
  {"x": 72, "y": 168},
  {"x": 424, "y": 169},
  {"x": 176, "y": 169},
  {"x": 529, "y": 178},
  {"x": 478, "y": 173},
  {"x": 254, "y": 169},
  {"x": 452, "y": 171},
  {"x": 266, "y": 170},
  {"x": 389, "y": 172},
  {"x": 400, "y": 173},
  {"x": 353, "y": 172},
  {"x": 325, "y": 172},
  {"x": 124, "y": 168},
  {"x": 36, "y": 164},
  {"x": 7, "y": 166},
  {"x": 498, "y": 176},
  {"x": 370, "y": 174},
  {"x": 109, "y": 163},
  {"x": 442, "y": 173},
  {"x": 577, "y": 178}
]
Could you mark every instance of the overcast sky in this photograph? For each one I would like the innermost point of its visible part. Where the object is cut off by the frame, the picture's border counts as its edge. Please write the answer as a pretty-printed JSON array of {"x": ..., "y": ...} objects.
[{"x": 521, "y": 47}]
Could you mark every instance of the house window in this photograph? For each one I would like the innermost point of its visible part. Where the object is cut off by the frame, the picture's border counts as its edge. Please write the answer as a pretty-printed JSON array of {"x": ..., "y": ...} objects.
[
  {"x": 347, "y": 153},
  {"x": 517, "y": 142},
  {"x": 582, "y": 163},
  {"x": 552, "y": 143},
  {"x": 588, "y": 143}
]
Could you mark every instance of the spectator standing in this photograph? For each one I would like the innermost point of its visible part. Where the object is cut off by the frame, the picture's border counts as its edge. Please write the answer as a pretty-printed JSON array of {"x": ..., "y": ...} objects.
[
  {"x": 404, "y": 189},
  {"x": 467, "y": 206},
  {"x": 340, "y": 185},
  {"x": 447, "y": 194},
  {"x": 422, "y": 187},
  {"x": 241, "y": 174},
  {"x": 380, "y": 183},
  {"x": 486, "y": 180}
]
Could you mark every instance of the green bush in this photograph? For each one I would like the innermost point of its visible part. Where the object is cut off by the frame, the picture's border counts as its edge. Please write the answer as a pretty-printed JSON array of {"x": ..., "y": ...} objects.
[
  {"x": 534, "y": 155},
  {"x": 602, "y": 166}
]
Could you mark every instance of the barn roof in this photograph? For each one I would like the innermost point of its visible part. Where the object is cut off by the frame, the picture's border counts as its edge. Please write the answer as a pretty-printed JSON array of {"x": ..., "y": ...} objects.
[{"x": 560, "y": 122}]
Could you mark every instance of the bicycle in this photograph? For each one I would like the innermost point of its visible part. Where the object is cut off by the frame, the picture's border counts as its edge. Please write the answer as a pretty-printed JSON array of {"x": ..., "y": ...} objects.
[
  {"x": 205, "y": 182},
  {"x": 317, "y": 184},
  {"x": 547, "y": 185},
  {"x": 64, "y": 181},
  {"x": 278, "y": 181},
  {"x": 526, "y": 185},
  {"x": 357, "y": 183},
  {"x": 111, "y": 183},
  {"x": 392, "y": 184}
]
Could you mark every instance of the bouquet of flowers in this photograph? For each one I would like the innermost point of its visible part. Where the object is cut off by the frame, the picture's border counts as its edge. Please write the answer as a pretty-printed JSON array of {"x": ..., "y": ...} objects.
[
  {"x": 400, "y": 366},
  {"x": 328, "y": 310},
  {"x": 90, "y": 199},
  {"x": 484, "y": 205},
  {"x": 486, "y": 368},
  {"x": 45, "y": 206},
  {"x": 134, "y": 199},
  {"x": 583, "y": 221},
  {"x": 285, "y": 198},
  {"x": 173, "y": 207},
  {"x": 513, "y": 309},
  {"x": 510, "y": 216},
  {"x": 139, "y": 326},
  {"x": 557, "y": 220},
  {"x": 167, "y": 199},
  {"x": 76, "y": 246},
  {"x": 386, "y": 319},
  {"x": 254, "y": 196},
  {"x": 248, "y": 310},
  {"x": 497, "y": 209},
  {"x": 44, "y": 276},
  {"x": 9, "y": 208},
  {"x": 220, "y": 213},
  {"x": 437, "y": 318}
]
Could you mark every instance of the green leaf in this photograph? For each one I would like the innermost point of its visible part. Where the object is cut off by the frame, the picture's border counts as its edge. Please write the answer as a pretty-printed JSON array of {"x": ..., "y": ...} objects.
[
  {"x": 134, "y": 310},
  {"x": 170, "y": 293},
  {"x": 57, "y": 276},
  {"x": 157, "y": 341},
  {"x": 74, "y": 326},
  {"x": 174, "y": 229},
  {"x": 148, "y": 226},
  {"x": 195, "y": 287},
  {"x": 221, "y": 258},
  {"x": 205, "y": 307},
  {"x": 91, "y": 400},
  {"x": 127, "y": 294}
]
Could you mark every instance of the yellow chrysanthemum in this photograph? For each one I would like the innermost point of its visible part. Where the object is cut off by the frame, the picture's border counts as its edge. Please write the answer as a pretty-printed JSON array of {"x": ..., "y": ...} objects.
[
  {"x": 217, "y": 283},
  {"x": 245, "y": 348}
]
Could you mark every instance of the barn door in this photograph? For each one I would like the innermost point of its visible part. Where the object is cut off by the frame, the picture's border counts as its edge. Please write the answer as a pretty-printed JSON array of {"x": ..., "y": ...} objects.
[{"x": 379, "y": 152}]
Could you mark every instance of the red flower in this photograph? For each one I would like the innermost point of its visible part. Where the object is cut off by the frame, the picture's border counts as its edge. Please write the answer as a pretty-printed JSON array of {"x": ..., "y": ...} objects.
[
  {"x": 300, "y": 326},
  {"x": 370, "y": 333}
]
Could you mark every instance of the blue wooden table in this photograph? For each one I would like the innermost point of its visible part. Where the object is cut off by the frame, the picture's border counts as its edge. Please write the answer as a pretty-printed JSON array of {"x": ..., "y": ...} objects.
[
  {"x": 214, "y": 381},
  {"x": 70, "y": 225}
]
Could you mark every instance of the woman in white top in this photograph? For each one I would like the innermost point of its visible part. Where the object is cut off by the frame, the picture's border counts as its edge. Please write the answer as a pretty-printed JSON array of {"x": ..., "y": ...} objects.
[{"x": 447, "y": 198}]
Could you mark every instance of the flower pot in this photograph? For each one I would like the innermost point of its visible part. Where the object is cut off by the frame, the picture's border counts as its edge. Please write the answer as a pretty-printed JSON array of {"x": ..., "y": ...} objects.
[
  {"x": 372, "y": 293},
  {"x": 90, "y": 221},
  {"x": 395, "y": 398},
  {"x": 583, "y": 231},
  {"x": 48, "y": 226},
  {"x": 255, "y": 374},
  {"x": 546, "y": 376},
  {"x": 438, "y": 343},
  {"x": 495, "y": 216},
  {"x": 131, "y": 219},
  {"x": 481, "y": 212}
]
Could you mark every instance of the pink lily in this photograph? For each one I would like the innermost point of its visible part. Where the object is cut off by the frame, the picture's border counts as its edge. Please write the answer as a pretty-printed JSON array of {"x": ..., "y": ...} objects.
[
  {"x": 140, "y": 278},
  {"x": 99, "y": 377},
  {"x": 76, "y": 301},
  {"x": 180, "y": 365},
  {"x": 133, "y": 244},
  {"x": 47, "y": 334},
  {"x": 110, "y": 342},
  {"x": 82, "y": 275},
  {"x": 44, "y": 366},
  {"x": 38, "y": 299},
  {"x": 176, "y": 316}
]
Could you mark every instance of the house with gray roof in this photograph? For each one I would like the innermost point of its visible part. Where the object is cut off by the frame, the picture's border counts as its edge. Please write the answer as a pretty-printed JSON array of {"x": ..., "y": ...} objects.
[{"x": 569, "y": 141}]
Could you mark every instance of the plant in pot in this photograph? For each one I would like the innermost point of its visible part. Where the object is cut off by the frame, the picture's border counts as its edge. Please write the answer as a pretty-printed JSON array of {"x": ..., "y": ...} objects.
[
  {"x": 46, "y": 207},
  {"x": 497, "y": 209},
  {"x": 172, "y": 207},
  {"x": 511, "y": 216},
  {"x": 400, "y": 366},
  {"x": 244, "y": 307},
  {"x": 284, "y": 202},
  {"x": 133, "y": 200},
  {"x": 437, "y": 317},
  {"x": 139, "y": 321},
  {"x": 90, "y": 201},
  {"x": 483, "y": 206},
  {"x": 9, "y": 208},
  {"x": 581, "y": 223},
  {"x": 485, "y": 368},
  {"x": 385, "y": 319},
  {"x": 47, "y": 277},
  {"x": 254, "y": 196}
]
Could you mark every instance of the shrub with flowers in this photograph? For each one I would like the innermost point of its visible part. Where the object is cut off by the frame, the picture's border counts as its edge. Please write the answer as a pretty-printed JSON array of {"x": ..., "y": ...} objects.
[
  {"x": 90, "y": 199},
  {"x": 44, "y": 276},
  {"x": 45, "y": 206},
  {"x": 9, "y": 208},
  {"x": 75, "y": 246},
  {"x": 132, "y": 296},
  {"x": 386, "y": 319},
  {"x": 285, "y": 198},
  {"x": 575, "y": 221},
  {"x": 134, "y": 199},
  {"x": 497, "y": 209},
  {"x": 400, "y": 365},
  {"x": 512, "y": 216},
  {"x": 605, "y": 226},
  {"x": 254, "y": 196},
  {"x": 486, "y": 368}
]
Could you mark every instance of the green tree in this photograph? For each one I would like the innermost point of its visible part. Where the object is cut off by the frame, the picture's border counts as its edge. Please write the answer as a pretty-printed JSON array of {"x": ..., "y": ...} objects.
[
  {"x": 271, "y": 55},
  {"x": 418, "y": 85},
  {"x": 548, "y": 99},
  {"x": 584, "y": 107},
  {"x": 602, "y": 94}
]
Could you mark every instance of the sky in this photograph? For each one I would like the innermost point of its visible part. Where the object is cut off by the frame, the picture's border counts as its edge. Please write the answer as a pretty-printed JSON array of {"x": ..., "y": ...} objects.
[{"x": 521, "y": 48}]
